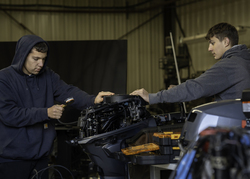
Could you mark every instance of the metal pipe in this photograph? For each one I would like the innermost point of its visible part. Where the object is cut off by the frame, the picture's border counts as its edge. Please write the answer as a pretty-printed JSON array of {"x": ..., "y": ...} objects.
[
  {"x": 20, "y": 24},
  {"x": 199, "y": 37},
  {"x": 176, "y": 67},
  {"x": 85, "y": 9}
]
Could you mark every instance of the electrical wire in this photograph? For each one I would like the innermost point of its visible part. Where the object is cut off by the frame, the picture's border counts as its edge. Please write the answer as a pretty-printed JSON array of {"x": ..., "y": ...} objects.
[
  {"x": 53, "y": 167},
  {"x": 67, "y": 123}
]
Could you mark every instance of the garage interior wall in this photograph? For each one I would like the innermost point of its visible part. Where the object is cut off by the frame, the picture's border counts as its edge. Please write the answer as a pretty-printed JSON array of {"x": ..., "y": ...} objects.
[
  {"x": 196, "y": 17},
  {"x": 143, "y": 30}
]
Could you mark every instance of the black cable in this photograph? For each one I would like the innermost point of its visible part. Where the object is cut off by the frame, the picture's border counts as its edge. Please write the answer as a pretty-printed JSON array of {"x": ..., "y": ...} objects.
[
  {"x": 56, "y": 171},
  {"x": 75, "y": 7},
  {"x": 67, "y": 123},
  {"x": 125, "y": 115},
  {"x": 71, "y": 123},
  {"x": 52, "y": 166}
]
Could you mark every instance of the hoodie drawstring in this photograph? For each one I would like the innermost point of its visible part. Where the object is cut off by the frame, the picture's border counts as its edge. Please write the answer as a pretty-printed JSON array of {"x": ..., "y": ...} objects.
[
  {"x": 37, "y": 86},
  {"x": 36, "y": 82},
  {"x": 26, "y": 84}
]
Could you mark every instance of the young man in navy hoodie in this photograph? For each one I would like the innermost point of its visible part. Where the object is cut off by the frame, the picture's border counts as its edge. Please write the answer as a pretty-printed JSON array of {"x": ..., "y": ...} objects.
[
  {"x": 28, "y": 89},
  {"x": 224, "y": 80}
]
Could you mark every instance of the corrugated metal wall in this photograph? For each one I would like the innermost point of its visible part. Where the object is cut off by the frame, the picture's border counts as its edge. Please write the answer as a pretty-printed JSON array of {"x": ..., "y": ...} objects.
[
  {"x": 145, "y": 42},
  {"x": 196, "y": 17}
]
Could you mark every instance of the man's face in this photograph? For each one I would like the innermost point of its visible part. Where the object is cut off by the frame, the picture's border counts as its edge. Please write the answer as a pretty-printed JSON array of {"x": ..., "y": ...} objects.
[
  {"x": 217, "y": 47},
  {"x": 34, "y": 62}
]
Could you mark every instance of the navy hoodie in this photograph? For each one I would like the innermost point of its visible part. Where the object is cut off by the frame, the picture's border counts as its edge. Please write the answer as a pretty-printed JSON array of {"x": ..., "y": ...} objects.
[
  {"x": 26, "y": 131},
  {"x": 226, "y": 79}
]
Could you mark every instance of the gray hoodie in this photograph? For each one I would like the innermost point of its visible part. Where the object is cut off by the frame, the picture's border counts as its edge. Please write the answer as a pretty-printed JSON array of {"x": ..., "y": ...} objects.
[{"x": 226, "y": 79}]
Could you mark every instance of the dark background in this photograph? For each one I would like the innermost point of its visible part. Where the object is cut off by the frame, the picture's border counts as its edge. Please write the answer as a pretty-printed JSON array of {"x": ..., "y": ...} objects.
[{"x": 92, "y": 66}]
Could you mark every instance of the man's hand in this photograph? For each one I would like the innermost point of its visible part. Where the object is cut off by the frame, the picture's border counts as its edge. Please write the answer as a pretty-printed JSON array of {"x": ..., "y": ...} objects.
[
  {"x": 99, "y": 97},
  {"x": 141, "y": 92},
  {"x": 55, "y": 112},
  {"x": 171, "y": 86}
]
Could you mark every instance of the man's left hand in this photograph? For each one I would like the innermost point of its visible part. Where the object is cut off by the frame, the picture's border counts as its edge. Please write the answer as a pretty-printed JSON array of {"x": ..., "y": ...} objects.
[{"x": 99, "y": 97}]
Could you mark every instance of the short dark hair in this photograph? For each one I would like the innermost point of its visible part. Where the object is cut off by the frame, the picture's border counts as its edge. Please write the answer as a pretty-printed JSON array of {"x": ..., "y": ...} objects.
[
  {"x": 223, "y": 30},
  {"x": 41, "y": 47}
]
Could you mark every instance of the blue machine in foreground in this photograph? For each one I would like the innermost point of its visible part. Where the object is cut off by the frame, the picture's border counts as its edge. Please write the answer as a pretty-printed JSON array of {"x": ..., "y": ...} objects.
[
  {"x": 227, "y": 113},
  {"x": 218, "y": 141}
]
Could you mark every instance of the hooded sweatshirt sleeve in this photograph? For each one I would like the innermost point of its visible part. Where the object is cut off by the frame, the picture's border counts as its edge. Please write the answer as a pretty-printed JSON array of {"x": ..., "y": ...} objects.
[
  {"x": 62, "y": 91},
  {"x": 226, "y": 79},
  {"x": 211, "y": 82}
]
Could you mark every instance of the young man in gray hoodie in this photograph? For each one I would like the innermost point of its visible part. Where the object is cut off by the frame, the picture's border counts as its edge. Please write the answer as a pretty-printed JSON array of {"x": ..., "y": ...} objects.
[{"x": 226, "y": 79}]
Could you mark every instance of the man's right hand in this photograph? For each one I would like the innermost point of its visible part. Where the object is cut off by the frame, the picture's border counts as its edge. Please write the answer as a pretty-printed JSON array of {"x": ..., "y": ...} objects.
[
  {"x": 55, "y": 112},
  {"x": 141, "y": 92},
  {"x": 171, "y": 86}
]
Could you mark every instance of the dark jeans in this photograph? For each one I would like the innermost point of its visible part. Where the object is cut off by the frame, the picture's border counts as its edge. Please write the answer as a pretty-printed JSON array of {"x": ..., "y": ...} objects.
[{"x": 24, "y": 169}]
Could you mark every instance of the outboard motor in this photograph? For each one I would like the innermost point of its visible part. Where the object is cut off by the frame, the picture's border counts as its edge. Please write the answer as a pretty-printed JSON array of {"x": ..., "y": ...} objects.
[{"x": 104, "y": 129}]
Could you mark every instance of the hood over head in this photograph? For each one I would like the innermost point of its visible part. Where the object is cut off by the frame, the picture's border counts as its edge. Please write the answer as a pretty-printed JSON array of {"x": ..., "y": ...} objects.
[
  {"x": 237, "y": 50},
  {"x": 23, "y": 48}
]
